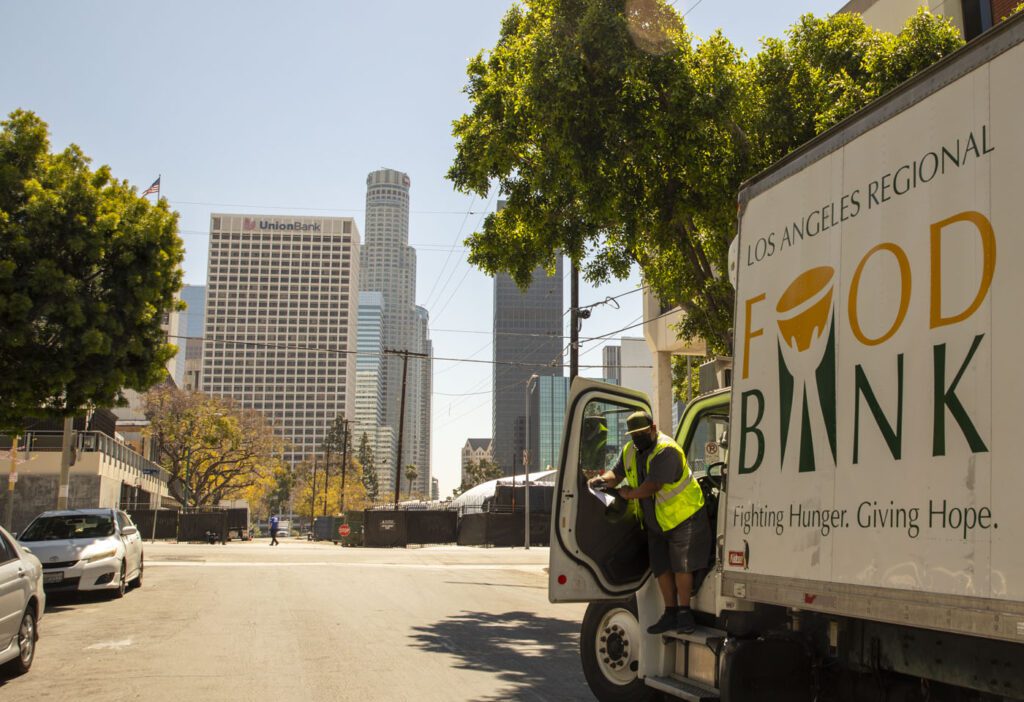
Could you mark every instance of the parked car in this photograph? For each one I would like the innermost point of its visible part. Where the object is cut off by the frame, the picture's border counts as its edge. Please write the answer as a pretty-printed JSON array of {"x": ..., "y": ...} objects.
[
  {"x": 86, "y": 549},
  {"x": 22, "y": 602}
]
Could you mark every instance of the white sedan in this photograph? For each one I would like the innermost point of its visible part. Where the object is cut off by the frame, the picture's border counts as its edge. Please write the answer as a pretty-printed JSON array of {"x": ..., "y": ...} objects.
[
  {"x": 86, "y": 549},
  {"x": 22, "y": 602}
]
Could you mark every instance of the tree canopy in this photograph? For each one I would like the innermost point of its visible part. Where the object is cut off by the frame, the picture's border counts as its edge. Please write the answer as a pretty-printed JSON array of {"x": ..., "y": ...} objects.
[
  {"x": 212, "y": 449},
  {"x": 617, "y": 137},
  {"x": 88, "y": 270},
  {"x": 478, "y": 472}
]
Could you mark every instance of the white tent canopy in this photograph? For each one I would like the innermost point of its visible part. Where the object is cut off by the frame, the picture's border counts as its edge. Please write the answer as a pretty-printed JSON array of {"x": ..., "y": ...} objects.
[{"x": 472, "y": 500}]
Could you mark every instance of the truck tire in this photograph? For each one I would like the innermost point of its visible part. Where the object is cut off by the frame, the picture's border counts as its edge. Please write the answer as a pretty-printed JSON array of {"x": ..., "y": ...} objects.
[{"x": 609, "y": 651}]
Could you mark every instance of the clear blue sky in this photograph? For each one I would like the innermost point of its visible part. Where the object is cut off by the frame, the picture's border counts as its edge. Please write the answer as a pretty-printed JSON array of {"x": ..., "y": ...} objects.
[{"x": 260, "y": 106}]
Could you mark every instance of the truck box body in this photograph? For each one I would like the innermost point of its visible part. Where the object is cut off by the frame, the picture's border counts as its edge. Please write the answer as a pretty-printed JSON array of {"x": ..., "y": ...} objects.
[{"x": 878, "y": 393}]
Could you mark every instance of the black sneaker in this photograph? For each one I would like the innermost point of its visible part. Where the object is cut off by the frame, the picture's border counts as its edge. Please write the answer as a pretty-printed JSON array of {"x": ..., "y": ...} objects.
[
  {"x": 668, "y": 622},
  {"x": 684, "y": 622}
]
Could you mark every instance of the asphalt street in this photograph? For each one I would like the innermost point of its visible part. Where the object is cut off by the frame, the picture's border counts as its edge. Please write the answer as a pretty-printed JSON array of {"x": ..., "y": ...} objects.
[{"x": 303, "y": 621}]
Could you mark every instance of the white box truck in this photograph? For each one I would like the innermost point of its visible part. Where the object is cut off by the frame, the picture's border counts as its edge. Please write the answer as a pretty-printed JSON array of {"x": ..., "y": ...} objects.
[{"x": 862, "y": 469}]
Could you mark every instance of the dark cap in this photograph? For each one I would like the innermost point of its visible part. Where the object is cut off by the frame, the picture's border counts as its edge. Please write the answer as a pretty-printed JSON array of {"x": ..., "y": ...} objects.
[{"x": 638, "y": 421}]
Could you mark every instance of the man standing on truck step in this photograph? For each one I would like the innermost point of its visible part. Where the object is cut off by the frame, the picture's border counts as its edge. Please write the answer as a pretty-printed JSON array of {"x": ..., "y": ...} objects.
[
  {"x": 273, "y": 530},
  {"x": 678, "y": 533}
]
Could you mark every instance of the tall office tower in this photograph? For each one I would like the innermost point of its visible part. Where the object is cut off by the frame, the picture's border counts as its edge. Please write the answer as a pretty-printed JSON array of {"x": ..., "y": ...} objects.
[
  {"x": 548, "y": 397},
  {"x": 421, "y": 396},
  {"x": 611, "y": 359},
  {"x": 528, "y": 331},
  {"x": 189, "y": 361},
  {"x": 369, "y": 412},
  {"x": 281, "y": 311},
  {"x": 388, "y": 266}
]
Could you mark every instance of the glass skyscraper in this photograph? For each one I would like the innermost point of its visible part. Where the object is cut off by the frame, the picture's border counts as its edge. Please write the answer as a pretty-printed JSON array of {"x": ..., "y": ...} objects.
[
  {"x": 388, "y": 267},
  {"x": 548, "y": 397},
  {"x": 527, "y": 331}
]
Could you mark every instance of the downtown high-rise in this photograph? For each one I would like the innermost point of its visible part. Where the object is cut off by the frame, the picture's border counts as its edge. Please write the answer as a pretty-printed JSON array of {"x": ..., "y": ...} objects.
[
  {"x": 388, "y": 267},
  {"x": 280, "y": 322},
  {"x": 527, "y": 340}
]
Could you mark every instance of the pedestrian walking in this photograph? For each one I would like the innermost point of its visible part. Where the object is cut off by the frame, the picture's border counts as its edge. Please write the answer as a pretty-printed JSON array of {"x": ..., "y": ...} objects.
[{"x": 273, "y": 529}]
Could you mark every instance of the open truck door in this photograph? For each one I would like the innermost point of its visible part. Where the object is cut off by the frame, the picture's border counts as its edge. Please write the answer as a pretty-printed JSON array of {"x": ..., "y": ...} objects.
[{"x": 597, "y": 552}]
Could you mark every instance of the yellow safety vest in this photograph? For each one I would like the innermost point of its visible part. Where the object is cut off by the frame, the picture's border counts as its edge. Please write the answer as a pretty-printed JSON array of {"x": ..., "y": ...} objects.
[{"x": 675, "y": 502}]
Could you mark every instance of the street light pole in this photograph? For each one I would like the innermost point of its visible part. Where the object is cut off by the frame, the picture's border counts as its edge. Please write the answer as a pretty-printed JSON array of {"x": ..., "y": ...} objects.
[{"x": 526, "y": 460}]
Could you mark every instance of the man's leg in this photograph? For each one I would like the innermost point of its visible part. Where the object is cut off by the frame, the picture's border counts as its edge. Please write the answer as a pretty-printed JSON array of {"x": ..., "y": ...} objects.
[
  {"x": 683, "y": 588},
  {"x": 658, "y": 550},
  {"x": 667, "y": 585}
]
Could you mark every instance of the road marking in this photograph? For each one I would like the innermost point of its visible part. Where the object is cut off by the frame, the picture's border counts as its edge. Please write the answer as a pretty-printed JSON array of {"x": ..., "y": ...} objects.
[
  {"x": 102, "y": 645},
  {"x": 525, "y": 567}
]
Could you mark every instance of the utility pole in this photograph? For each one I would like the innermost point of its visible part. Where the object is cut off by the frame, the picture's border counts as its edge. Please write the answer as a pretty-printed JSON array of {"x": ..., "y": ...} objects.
[
  {"x": 312, "y": 498},
  {"x": 65, "y": 463},
  {"x": 526, "y": 459},
  {"x": 344, "y": 465},
  {"x": 327, "y": 466},
  {"x": 574, "y": 323},
  {"x": 401, "y": 416},
  {"x": 12, "y": 481}
]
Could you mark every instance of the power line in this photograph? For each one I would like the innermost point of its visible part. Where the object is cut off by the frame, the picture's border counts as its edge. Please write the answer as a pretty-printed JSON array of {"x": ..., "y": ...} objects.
[
  {"x": 449, "y": 256},
  {"x": 307, "y": 208},
  {"x": 385, "y": 352},
  {"x": 428, "y": 246},
  {"x": 440, "y": 293}
]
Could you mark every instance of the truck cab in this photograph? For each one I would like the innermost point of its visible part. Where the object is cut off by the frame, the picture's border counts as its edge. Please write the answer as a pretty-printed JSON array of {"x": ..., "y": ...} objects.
[{"x": 599, "y": 554}]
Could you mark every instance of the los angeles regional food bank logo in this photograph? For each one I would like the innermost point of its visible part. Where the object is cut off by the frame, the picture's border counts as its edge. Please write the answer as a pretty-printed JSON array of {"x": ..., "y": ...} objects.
[
  {"x": 806, "y": 319},
  {"x": 807, "y": 369}
]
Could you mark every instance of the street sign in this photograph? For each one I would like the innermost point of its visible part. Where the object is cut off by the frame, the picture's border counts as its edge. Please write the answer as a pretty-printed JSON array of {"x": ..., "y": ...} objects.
[{"x": 344, "y": 530}]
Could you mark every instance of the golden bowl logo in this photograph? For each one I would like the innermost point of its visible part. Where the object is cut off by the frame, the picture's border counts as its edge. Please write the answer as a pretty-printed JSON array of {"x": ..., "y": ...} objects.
[
  {"x": 805, "y": 307},
  {"x": 807, "y": 395}
]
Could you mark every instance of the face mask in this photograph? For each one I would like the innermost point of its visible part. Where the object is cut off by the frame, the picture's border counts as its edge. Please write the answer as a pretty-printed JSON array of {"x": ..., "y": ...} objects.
[{"x": 642, "y": 441}]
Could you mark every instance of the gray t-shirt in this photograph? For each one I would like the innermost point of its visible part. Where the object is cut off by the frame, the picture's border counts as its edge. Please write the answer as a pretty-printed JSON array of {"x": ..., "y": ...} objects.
[{"x": 666, "y": 467}]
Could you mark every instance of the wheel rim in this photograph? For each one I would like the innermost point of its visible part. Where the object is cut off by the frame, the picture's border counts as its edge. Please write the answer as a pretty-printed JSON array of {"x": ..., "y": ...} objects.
[
  {"x": 617, "y": 646},
  {"x": 27, "y": 638}
]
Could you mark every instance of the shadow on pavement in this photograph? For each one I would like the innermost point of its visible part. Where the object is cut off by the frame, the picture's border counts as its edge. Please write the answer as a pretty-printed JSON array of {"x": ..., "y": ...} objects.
[
  {"x": 537, "y": 657},
  {"x": 63, "y": 601}
]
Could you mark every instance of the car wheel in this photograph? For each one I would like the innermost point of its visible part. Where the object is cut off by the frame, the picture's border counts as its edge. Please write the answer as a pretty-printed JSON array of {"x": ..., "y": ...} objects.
[
  {"x": 610, "y": 649},
  {"x": 27, "y": 637},
  {"x": 122, "y": 584},
  {"x": 138, "y": 578}
]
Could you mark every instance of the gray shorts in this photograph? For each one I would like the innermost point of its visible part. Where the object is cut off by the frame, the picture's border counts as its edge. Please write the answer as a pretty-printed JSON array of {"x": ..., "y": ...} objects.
[{"x": 684, "y": 549}]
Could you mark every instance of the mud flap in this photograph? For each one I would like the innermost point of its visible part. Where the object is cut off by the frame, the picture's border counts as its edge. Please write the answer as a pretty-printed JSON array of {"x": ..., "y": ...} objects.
[{"x": 766, "y": 670}]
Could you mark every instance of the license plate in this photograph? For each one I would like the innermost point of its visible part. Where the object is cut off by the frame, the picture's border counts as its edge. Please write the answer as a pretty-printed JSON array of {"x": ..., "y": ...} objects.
[{"x": 53, "y": 577}]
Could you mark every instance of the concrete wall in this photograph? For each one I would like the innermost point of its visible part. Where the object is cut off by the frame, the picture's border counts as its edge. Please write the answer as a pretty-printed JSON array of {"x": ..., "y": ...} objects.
[
  {"x": 891, "y": 15},
  {"x": 37, "y": 493}
]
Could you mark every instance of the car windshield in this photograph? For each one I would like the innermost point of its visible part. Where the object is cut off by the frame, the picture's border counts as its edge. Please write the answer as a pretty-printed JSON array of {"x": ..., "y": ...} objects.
[{"x": 69, "y": 526}]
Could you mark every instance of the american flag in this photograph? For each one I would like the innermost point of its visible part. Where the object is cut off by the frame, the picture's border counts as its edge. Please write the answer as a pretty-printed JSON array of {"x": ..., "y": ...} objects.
[{"x": 154, "y": 188}]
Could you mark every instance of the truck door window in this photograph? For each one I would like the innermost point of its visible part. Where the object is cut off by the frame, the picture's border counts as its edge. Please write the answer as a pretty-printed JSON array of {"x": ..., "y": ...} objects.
[
  {"x": 602, "y": 437},
  {"x": 616, "y": 544},
  {"x": 708, "y": 442}
]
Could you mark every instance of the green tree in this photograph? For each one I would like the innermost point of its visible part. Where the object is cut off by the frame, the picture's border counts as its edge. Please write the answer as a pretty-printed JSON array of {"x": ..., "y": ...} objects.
[
  {"x": 88, "y": 270},
  {"x": 212, "y": 449},
  {"x": 478, "y": 472},
  {"x": 368, "y": 461},
  {"x": 410, "y": 474},
  {"x": 616, "y": 137}
]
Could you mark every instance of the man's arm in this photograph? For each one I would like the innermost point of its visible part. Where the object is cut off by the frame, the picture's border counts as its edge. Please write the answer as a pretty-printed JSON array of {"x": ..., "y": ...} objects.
[
  {"x": 646, "y": 489},
  {"x": 666, "y": 467},
  {"x": 613, "y": 476}
]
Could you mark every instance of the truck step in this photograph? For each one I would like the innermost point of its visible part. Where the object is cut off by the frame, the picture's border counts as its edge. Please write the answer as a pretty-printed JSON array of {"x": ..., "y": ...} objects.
[
  {"x": 699, "y": 636},
  {"x": 683, "y": 689}
]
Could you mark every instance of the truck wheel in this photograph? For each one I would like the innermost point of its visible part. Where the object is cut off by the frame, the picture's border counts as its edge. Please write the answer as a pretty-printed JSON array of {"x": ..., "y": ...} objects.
[{"x": 610, "y": 652}]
